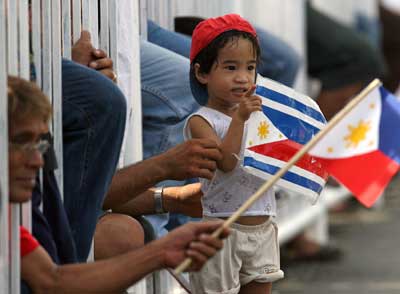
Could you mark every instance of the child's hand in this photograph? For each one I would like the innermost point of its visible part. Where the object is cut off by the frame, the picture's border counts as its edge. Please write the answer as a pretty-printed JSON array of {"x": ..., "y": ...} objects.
[{"x": 249, "y": 104}]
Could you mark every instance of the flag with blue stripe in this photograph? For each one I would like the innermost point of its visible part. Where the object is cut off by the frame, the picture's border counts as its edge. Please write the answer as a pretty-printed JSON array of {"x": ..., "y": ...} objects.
[{"x": 288, "y": 120}]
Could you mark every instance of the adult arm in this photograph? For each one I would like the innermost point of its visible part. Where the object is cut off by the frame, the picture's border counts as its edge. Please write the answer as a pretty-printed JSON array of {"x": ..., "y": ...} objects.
[
  {"x": 184, "y": 199},
  {"x": 116, "y": 274},
  {"x": 191, "y": 159}
]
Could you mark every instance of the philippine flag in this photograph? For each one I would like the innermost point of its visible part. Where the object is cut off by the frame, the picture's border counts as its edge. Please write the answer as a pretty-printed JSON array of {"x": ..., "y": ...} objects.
[
  {"x": 363, "y": 150},
  {"x": 288, "y": 121}
]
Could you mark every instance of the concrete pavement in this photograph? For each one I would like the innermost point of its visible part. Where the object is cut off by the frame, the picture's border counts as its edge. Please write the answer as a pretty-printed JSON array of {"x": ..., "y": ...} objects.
[{"x": 371, "y": 263}]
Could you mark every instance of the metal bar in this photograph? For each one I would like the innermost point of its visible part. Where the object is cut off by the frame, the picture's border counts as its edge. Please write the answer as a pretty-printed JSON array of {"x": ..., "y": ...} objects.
[
  {"x": 86, "y": 15},
  {"x": 12, "y": 37},
  {"x": 94, "y": 22},
  {"x": 4, "y": 245},
  {"x": 15, "y": 268},
  {"x": 113, "y": 13},
  {"x": 143, "y": 15},
  {"x": 37, "y": 39},
  {"x": 133, "y": 150},
  {"x": 14, "y": 69},
  {"x": 46, "y": 49},
  {"x": 66, "y": 28},
  {"x": 104, "y": 26},
  {"x": 24, "y": 66},
  {"x": 57, "y": 90},
  {"x": 170, "y": 15},
  {"x": 76, "y": 19},
  {"x": 24, "y": 39}
]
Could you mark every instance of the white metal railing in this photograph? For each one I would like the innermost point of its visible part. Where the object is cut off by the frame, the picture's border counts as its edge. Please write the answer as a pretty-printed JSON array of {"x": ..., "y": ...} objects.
[
  {"x": 18, "y": 65},
  {"x": 55, "y": 24},
  {"x": 4, "y": 224},
  {"x": 127, "y": 37}
]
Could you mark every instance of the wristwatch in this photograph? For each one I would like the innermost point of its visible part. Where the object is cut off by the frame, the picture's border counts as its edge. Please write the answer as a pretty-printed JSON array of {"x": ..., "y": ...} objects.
[{"x": 158, "y": 203}]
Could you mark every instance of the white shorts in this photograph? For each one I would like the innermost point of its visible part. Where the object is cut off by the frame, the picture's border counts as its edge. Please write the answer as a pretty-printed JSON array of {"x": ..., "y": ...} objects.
[{"x": 250, "y": 253}]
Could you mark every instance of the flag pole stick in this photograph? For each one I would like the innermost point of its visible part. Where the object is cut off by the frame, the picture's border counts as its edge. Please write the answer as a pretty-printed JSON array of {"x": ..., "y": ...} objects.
[{"x": 268, "y": 184}]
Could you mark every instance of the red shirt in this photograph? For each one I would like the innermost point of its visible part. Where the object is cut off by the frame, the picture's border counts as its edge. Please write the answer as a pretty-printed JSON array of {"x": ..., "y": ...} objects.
[{"x": 28, "y": 242}]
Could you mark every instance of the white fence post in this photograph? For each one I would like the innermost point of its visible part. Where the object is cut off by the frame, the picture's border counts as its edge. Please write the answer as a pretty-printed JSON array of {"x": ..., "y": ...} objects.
[
  {"x": 124, "y": 20},
  {"x": 36, "y": 13},
  {"x": 4, "y": 223},
  {"x": 66, "y": 28},
  {"x": 76, "y": 19},
  {"x": 24, "y": 65},
  {"x": 90, "y": 19},
  {"x": 129, "y": 77},
  {"x": 18, "y": 65},
  {"x": 57, "y": 89},
  {"x": 105, "y": 26},
  {"x": 12, "y": 61}
]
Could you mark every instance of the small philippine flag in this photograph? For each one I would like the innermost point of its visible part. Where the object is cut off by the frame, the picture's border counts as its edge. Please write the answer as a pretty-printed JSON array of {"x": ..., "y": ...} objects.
[
  {"x": 363, "y": 150},
  {"x": 288, "y": 121}
]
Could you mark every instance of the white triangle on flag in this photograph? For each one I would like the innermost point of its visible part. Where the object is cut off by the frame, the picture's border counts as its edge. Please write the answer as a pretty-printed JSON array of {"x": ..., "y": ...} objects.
[
  {"x": 357, "y": 133},
  {"x": 260, "y": 130}
]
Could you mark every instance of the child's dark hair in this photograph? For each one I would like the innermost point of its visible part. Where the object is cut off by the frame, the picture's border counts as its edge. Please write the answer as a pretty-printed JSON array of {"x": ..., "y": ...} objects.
[{"x": 207, "y": 56}]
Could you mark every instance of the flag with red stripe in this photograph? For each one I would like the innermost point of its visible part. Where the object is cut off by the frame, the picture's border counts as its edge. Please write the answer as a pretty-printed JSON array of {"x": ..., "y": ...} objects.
[{"x": 288, "y": 120}]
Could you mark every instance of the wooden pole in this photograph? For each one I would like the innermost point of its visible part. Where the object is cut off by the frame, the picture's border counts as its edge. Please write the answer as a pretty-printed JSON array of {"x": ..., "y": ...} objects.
[{"x": 306, "y": 148}]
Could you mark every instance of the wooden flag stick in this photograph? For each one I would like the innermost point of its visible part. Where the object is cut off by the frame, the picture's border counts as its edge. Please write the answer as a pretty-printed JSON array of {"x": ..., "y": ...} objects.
[{"x": 268, "y": 184}]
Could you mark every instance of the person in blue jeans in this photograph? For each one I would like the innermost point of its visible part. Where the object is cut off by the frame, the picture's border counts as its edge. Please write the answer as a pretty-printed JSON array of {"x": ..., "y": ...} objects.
[
  {"x": 166, "y": 102},
  {"x": 92, "y": 143},
  {"x": 167, "y": 99},
  {"x": 94, "y": 112}
]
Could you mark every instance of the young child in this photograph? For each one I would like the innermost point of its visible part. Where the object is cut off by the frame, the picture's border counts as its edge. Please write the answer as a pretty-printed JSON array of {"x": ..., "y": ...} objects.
[{"x": 224, "y": 56}]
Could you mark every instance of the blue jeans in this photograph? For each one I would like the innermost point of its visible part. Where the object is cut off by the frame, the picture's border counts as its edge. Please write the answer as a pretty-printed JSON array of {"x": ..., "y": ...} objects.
[
  {"x": 94, "y": 111},
  {"x": 166, "y": 102},
  {"x": 167, "y": 99},
  {"x": 278, "y": 60}
]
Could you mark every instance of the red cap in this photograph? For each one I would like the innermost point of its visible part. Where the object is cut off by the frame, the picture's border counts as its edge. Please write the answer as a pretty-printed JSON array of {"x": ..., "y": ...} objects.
[{"x": 207, "y": 30}]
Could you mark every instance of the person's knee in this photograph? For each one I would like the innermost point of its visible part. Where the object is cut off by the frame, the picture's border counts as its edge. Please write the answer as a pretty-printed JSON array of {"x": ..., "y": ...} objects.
[
  {"x": 90, "y": 90},
  {"x": 117, "y": 234},
  {"x": 109, "y": 99}
]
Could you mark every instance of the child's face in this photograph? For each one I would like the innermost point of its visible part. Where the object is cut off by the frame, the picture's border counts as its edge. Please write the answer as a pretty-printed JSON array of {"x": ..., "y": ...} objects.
[{"x": 233, "y": 73}]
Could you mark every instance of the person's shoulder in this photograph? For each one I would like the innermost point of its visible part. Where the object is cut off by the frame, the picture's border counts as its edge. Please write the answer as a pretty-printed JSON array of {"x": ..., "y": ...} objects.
[{"x": 212, "y": 114}]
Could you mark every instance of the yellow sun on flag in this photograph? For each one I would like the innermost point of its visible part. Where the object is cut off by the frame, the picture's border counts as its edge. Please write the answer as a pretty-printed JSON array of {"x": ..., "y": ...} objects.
[
  {"x": 263, "y": 130},
  {"x": 357, "y": 134}
]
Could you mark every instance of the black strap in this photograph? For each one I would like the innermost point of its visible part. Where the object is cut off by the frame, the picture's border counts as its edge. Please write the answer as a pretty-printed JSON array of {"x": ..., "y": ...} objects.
[{"x": 50, "y": 159}]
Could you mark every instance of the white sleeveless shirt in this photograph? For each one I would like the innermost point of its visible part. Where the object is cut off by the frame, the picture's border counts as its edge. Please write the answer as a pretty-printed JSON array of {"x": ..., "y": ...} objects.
[{"x": 226, "y": 192}]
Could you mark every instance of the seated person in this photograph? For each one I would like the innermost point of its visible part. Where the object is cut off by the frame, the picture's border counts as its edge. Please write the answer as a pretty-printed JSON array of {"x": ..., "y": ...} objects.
[
  {"x": 93, "y": 126},
  {"x": 28, "y": 113}
]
